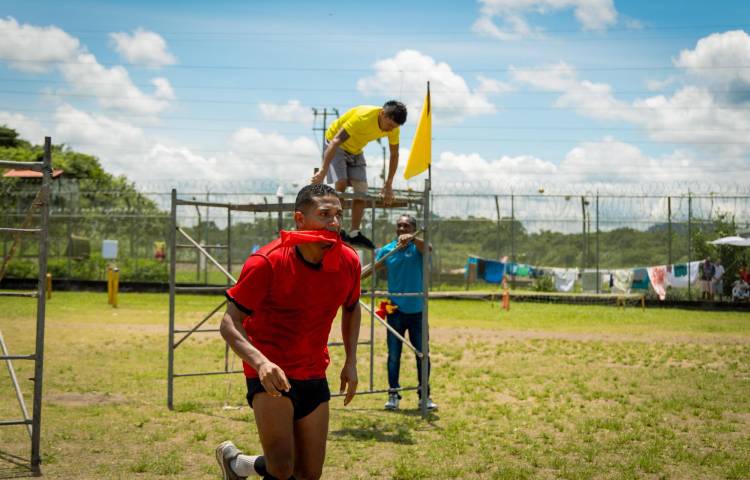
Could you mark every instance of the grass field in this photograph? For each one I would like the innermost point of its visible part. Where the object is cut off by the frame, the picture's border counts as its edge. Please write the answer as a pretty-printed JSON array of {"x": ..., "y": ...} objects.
[{"x": 542, "y": 391}]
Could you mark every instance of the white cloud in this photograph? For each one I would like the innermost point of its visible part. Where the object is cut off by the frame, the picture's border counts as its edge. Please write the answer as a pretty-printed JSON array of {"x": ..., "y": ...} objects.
[
  {"x": 111, "y": 139},
  {"x": 143, "y": 47},
  {"x": 506, "y": 170},
  {"x": 591, "y": 14},
  {"x": 49, "y": 47},
  {"x": 113, "y": 87},
  {"x": 28, "y": 128},
  {"x": 35, "y": 49},
  {"x": 587, "y": 98},
  {"x": 405, "y": 76},
  {"x": 292, "y": 111},
  {"x": 490, "y": 86},
  {"x": 273, "y": 155},
  {"x": 719, "y": 57}
]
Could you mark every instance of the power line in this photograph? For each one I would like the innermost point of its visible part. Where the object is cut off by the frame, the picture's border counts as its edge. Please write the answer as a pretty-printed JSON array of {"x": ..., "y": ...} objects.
[
  {"x": 435, "y": 107},
  {"x": 338, "y": 90},
  {"x": 369, "y": 69},
  {"x": 306, "y": 124}
]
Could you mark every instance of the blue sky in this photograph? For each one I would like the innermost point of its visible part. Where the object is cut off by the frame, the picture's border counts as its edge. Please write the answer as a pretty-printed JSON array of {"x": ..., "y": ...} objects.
[{"x": 526, "y": 93}]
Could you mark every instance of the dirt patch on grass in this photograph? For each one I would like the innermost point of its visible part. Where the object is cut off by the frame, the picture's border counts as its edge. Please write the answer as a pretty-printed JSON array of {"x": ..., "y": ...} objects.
[
  {"x": 491, "y": 335},
  {"x": 70, "y": 399}
]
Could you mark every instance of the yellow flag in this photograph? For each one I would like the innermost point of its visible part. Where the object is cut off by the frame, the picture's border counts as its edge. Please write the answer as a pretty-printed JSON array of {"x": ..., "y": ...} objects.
[{"x": 420, "y": 155}]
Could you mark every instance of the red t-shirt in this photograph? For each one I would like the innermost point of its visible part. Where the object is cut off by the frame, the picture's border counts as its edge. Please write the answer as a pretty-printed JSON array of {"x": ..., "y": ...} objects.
[{"x": 290, "y": 306}]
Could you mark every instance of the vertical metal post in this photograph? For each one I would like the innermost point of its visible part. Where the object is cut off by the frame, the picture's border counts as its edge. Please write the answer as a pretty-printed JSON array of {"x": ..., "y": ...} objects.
[
  {"x": 512, "y": 227},
  {"x": 206, "y": 239},
  {"x": 229, "y": 240},
  {"x": 690, "y": 240},
  {"x": 497, "y": 211},
  {"x": 669, "y": 231},
  {"x": 172, "y": 280},
  {"x": 425, "y": 348},
  {"x": 372, "y": 301},
  {"x": 70, "y": 247},
  {"x": 41, "y": 305},
  {"x": 598, "y": 277},
  {"x": 513, "y": 236},
  {"x": 280, "y": 215},
  {"x": 583, "y": 232}
]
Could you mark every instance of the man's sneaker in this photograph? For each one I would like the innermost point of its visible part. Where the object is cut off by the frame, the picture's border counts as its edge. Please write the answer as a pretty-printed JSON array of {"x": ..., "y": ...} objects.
[
  {"x": 431, "y": 406},
  {"x": 360, "y": 240},
  {"x": 392, "y": 403},
  {"x": 225, "y": 453}
]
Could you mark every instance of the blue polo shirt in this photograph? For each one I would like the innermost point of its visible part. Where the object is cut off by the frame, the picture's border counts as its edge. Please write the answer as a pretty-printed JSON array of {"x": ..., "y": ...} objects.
[{"x": 404, "y": 275}]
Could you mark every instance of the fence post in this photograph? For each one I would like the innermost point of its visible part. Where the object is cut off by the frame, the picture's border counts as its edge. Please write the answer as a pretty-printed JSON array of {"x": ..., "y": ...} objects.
[
  {"x": 598, "y": 277},
  {"x": 669, "y": 231},
  {"x": 690, "y": 240}
]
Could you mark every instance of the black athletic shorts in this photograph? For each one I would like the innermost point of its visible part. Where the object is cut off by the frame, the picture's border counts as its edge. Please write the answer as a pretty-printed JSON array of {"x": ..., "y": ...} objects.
[{"x": 305, "y": 395}]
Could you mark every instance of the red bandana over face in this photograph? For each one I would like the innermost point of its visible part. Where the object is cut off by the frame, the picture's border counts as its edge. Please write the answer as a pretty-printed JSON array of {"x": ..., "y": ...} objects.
[{"x": 332, "y": 256}]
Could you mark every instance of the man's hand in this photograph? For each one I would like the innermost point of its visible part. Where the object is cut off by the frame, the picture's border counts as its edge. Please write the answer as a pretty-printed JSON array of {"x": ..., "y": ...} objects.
[
  {"x": 318, "y": 177},
  {"x": 273, "y": 379},
  {"x": 387, "y": 194},
  {"x": 349, "y": 382},
  {"x": 404, "y": 239}
]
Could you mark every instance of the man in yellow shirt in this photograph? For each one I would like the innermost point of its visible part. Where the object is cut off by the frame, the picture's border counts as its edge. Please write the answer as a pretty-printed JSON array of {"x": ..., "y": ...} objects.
[{"x": 344, "y": 161}]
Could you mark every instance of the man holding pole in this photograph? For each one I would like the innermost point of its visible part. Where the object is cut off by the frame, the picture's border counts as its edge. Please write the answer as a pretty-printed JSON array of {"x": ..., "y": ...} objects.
[
  {"x": 404, "y": 276},
  {"x": 278, "y": 319}
]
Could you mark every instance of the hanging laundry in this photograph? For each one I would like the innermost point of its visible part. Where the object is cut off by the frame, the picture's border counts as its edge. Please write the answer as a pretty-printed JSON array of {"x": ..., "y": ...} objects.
[
  {"x": 658, "y": 276},
  {"x": 522, "y": 270},
  {"x": 511, "y": 268},
  {"x": 681, "y": 281},
  {"x": 622, "y": 281},
  {"x": 564, "y": 279},
  {"x": 589, "y": 281},
  {"x": 493, "y": 271},
  {"x": 640, "y": 279}
]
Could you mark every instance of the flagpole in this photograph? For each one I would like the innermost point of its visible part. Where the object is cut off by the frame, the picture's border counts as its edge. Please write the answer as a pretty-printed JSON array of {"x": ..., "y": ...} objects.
[{"x": 424, "y": 381}]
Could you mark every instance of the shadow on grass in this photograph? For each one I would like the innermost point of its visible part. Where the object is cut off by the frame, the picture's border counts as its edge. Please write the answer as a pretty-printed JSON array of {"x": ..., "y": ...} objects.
[{"x": 13, "y": 466}]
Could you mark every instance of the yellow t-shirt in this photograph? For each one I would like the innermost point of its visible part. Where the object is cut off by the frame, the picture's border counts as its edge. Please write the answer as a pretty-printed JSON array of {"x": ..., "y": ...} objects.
[{"x": 361, "y": 123}]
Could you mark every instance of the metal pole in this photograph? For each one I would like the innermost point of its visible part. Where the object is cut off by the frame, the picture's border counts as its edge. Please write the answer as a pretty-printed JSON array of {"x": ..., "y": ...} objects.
[
  {"x": 497, "y": 211},
  {"x": 205, "y": 237},
  {"x": 229, "y": 241},
  {"x": 690, "y": 240},
  {"x": 669, "y": 231},
  {"x": 425, "y": 347},
  {"x": 513, "y": 236},
  {"x": 598, "y": 277},
  {"x": 172, "y": 281},
  {"x": 41, "y": 305},
  {"x": 372, "y": 301},
  {"x": 583, "y": 232}
]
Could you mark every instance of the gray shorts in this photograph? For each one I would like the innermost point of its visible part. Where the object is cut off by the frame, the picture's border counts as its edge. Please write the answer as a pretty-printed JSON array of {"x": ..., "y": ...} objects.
[{"x": 346, "y": 166}]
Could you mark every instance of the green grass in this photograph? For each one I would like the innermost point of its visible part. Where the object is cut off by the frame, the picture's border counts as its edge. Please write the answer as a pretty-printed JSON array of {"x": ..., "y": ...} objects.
[{"x": 541, "y": 391}]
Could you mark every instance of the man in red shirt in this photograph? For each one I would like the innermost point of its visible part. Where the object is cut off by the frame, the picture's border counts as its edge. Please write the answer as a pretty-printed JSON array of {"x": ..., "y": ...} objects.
[{"x": 278, "y": 319}]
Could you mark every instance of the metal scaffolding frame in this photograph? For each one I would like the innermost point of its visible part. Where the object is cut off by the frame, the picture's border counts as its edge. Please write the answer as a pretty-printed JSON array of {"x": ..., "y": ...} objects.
[
  {"x": 42, "y": 201},
  {"x": 409, "y": 199}
]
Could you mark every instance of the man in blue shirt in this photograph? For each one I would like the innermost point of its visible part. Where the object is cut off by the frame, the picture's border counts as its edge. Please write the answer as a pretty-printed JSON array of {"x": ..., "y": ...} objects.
[{"x": 404, "y": 276}]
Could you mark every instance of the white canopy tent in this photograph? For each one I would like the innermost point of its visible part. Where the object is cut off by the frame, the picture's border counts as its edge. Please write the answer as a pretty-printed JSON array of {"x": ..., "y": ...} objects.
[{"x": 734, "y": 241}]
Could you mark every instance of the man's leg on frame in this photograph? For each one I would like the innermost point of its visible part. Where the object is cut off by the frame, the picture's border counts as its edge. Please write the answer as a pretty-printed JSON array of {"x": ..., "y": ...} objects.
[
  {"x": 394, "y": 348},
  {"x": 274, "y": 417},
  {"x": 310, "y": 435},
  {"x": 358, "y": 206}
]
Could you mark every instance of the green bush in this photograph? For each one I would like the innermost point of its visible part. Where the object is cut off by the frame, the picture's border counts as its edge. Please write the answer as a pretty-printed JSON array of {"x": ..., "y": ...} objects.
[{"x": 543, "y": 284}]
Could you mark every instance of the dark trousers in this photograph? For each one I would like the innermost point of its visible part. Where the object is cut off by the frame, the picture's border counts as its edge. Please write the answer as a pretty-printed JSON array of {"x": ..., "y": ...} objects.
[{"x": 403, "y": 322}]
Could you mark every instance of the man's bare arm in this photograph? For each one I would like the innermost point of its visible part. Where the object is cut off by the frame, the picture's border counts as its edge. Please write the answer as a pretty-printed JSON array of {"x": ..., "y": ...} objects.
[
  {"x": 330, "y": 151},
  {"x": 350, "y": 322},
  {"x": 231, "y": 329}
]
